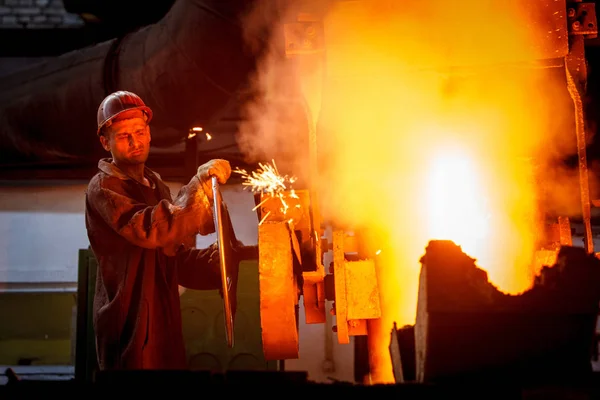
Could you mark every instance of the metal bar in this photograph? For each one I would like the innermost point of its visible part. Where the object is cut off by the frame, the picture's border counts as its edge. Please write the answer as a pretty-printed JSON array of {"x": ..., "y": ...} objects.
[
  {"x": 223, "y": 261},
  {"x": 81, "y": 354},
  {"x": 339, "y": 275},
  {"x": 584, "y": 185},
  {"x": 278, "y": 293}
]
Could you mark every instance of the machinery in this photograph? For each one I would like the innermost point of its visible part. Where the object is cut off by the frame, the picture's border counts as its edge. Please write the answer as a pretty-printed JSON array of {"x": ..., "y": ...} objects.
[
  {"x": 291, "y": 235},
  {"x": 292, "y": 244}
]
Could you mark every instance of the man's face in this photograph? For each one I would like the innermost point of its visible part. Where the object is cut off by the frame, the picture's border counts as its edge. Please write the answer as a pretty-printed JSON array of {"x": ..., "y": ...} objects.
[{"x": 128, "y": 140}]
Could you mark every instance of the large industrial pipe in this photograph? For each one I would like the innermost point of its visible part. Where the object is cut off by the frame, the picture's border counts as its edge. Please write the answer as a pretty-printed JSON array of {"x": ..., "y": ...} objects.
[{"x": 187, "y": 66}]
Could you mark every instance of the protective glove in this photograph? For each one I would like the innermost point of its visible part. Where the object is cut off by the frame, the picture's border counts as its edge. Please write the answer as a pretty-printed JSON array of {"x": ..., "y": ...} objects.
[
  {"x": 213, "y": 256},
  {"x": 217, "y": 167}
]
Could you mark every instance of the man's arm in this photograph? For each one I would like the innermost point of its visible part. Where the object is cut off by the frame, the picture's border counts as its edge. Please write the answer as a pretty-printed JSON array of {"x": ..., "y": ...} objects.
[
  {"x": 163, "y": 225},
  {"x": 198, "y": 269}
]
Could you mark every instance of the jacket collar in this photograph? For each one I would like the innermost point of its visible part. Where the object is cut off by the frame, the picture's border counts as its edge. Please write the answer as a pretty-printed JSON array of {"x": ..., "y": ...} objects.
[{"x": 108, "y": 167}]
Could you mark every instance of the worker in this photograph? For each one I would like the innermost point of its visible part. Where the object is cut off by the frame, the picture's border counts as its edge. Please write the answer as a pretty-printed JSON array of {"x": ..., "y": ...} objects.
[{"x": 144, "y": 242}]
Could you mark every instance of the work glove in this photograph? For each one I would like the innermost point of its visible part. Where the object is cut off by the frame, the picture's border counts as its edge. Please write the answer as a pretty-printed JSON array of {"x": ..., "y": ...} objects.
[
  {"x": 213, "y": 253},
  {"x": 214, "y": 260},
  {"x": 218, "y": 168},
  {"x": 213, "y": 264},
  {"x": 213, "y": 256}
]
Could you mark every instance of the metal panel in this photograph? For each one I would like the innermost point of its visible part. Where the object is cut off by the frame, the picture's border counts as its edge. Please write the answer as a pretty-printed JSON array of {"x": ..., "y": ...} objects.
[
  {"x": 362, "y": 293},
  {"x": 339, "y": 275},
  {"x": 278, "y": 292},
  {"x": 204, "y": 327},
  {"x": 85, "y": 347}
]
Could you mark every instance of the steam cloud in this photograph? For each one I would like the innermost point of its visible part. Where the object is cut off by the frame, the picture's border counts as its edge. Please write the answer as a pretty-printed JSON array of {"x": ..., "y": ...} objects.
[{"x": 404, "y": 82}]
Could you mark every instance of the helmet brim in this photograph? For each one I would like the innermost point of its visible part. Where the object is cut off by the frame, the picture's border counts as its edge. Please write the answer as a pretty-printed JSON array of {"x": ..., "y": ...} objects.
[{"x": 107, "y": 122}]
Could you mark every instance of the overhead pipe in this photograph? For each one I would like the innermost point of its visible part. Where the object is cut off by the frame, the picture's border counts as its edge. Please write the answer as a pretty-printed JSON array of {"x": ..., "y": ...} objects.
[{"x": 187, "y": 67}]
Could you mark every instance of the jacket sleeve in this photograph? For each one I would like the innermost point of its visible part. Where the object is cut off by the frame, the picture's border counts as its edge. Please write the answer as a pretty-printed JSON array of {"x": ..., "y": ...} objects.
[
  {"x": 198, "y": 269},
  {"x": 164, "y": 225}
]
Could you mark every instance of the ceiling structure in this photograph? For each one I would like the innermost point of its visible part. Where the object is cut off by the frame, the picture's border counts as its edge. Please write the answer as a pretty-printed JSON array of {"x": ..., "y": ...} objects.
[
  {"x": 106, "y": 20},
  {"x": 46, "y": 52}
]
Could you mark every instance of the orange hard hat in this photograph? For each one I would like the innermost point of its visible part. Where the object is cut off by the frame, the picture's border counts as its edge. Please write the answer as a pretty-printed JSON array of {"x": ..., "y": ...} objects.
[{"x": 117, "y": 103}]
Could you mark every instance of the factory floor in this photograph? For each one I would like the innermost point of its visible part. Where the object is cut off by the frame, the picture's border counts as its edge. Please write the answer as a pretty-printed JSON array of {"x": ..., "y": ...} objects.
[
  {"x": 61, "y": 377},
  {"x": 473, "y": 390}
]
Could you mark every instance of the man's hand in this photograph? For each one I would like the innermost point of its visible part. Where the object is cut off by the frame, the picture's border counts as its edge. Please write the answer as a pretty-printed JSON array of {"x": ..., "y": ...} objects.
[
  {"x": 213, "y": 256},
  {"x": 218, "y": 168},
  {"x": 213, "y": 252}
]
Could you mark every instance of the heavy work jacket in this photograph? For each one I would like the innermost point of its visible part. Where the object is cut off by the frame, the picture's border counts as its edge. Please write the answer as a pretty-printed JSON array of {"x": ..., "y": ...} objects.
[{"x": 141, "y": 239}]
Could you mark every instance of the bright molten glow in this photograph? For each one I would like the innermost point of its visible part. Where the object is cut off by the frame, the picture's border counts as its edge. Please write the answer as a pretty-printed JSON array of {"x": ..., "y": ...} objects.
[
  {"x": 459, "y": 209},
  {"x": 485, "y": 209},
  {"x": 424, "y": 148},
  {"x": 429, "y": 127}
]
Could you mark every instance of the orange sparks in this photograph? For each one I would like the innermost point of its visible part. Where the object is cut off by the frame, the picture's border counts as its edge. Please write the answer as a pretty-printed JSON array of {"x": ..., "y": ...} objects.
[{"x": 267, "y": 180}]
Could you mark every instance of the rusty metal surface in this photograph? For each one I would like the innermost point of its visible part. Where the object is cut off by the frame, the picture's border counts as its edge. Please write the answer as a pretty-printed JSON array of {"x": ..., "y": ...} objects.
[
  {"x": 314, "y": 303},
  {"x": 582, "y": 25},
  {"x": 576, "y": 73},
  {"x": 576, "y": 77},
  {"x": 557, "y": 234},
  {"x": 278, "y": 292},
  {"x": 362, "y": 292},
  {"x": 582, "y": 19},
  {"x": 358, "y": 327},
  {"x": 286, "y": 206},
  {"x": 356, "y": 290},
  {"x": 339, "y": 275},
  {"x": 564, "y": 230},
  {"x": 295, "y": 211},
  {"x": 295, "y": 242}
]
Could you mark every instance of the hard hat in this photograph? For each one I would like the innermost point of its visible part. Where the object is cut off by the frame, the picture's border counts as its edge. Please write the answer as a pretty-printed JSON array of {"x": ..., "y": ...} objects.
[{"x": 117, "y": 103}]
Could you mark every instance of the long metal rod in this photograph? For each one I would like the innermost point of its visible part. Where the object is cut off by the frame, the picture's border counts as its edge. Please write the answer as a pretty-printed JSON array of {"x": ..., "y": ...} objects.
[
  {"x": 584, "y": 184},
  {"x": 221, "y": 239}
]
